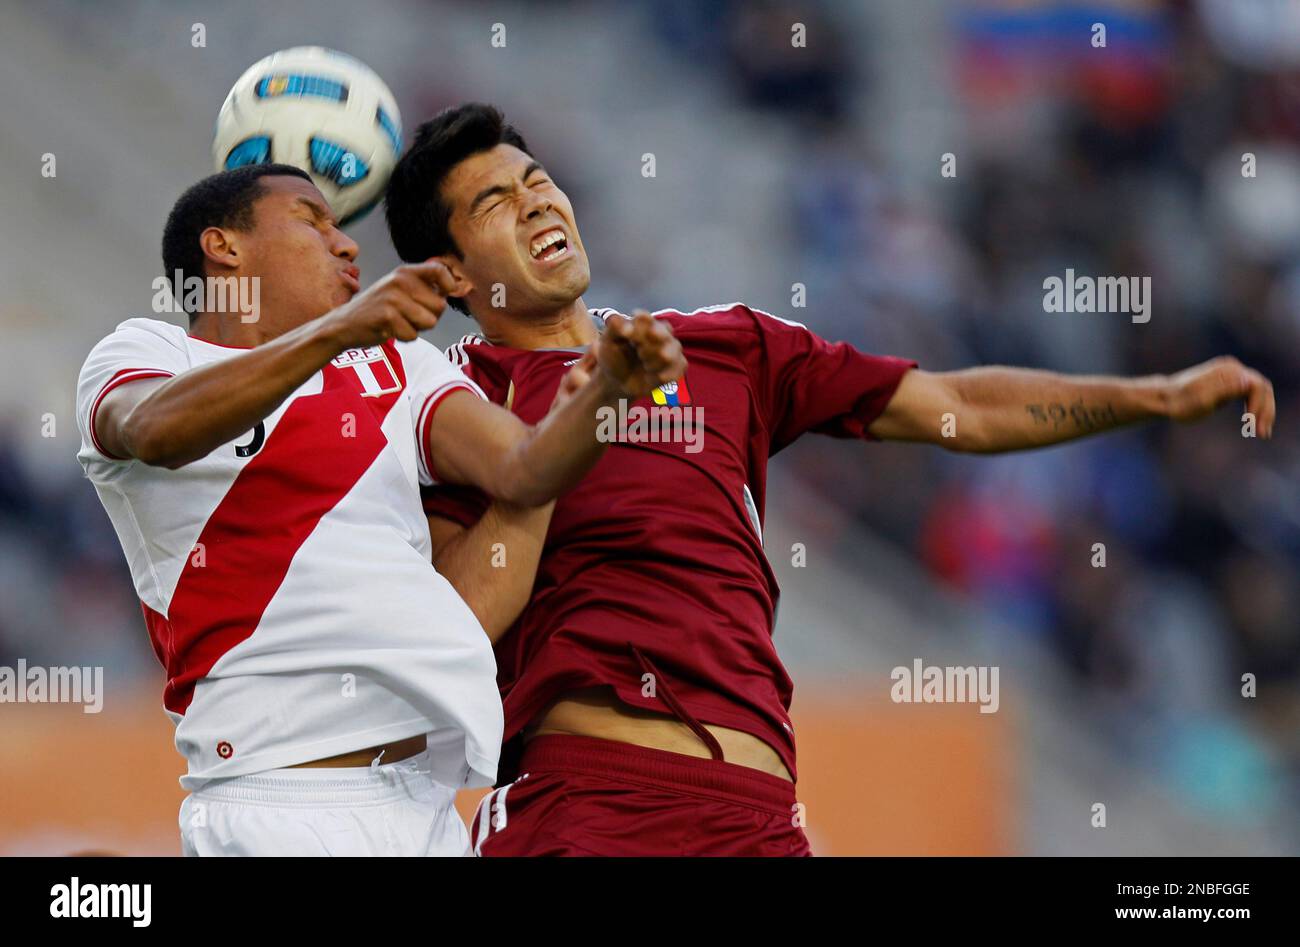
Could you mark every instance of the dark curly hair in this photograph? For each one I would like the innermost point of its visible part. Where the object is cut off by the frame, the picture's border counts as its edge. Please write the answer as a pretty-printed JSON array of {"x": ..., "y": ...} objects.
[
  {"x": 224, "y": 199},
  {"x": 417, "y": 215}
]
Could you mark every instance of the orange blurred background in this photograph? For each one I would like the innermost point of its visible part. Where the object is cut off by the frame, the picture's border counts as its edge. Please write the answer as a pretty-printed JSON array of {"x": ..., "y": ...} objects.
[{"x": 876, "y": 778}]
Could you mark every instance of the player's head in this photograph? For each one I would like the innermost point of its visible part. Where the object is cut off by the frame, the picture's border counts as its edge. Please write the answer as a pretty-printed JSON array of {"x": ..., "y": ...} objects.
[
  {"x": 471, "y": 193},
  {"x": 268, "y": 222}
]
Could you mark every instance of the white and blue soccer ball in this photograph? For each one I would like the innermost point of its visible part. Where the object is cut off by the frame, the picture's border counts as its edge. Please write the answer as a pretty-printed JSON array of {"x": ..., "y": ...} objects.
[{"x": 319, "y": 110}]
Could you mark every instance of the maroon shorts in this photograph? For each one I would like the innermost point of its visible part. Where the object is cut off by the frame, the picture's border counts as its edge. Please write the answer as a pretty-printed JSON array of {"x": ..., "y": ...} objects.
[{"x": 585, "y": 796}]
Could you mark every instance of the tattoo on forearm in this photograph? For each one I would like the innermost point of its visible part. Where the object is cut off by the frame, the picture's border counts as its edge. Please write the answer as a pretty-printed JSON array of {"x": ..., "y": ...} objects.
[{"x": 1085, "y": 418}]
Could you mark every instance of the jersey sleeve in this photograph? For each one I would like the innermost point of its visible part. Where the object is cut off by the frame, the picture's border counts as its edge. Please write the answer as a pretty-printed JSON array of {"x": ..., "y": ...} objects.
[
  {"x": 809, "y": 384},
  {"x": 463, "y": 505},
  {"x": 138, "y": 349},
  {"x": 431, "y": 379}
]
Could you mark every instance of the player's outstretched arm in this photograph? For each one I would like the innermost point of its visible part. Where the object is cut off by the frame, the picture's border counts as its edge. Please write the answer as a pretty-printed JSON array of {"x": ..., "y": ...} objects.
[
  {"x": 993, "y": 409},
  {"x": 472, "y": 441},
  {"x": 173, "y": 422},
  {"x": 493, "y": 564}
]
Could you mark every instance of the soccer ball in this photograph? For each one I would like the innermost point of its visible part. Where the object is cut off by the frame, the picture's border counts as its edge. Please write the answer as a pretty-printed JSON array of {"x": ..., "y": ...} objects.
[{"x": 318, "y": 110}]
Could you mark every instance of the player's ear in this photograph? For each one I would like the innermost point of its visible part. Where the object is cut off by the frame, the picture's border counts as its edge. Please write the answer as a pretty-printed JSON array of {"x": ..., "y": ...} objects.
[
  {"x": 218, "y": 246},
  {"x": 455, "y": 266}
]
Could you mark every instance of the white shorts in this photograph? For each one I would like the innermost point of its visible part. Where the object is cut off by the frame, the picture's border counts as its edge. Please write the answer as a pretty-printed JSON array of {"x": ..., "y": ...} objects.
[{"x": 394, "y": 809}]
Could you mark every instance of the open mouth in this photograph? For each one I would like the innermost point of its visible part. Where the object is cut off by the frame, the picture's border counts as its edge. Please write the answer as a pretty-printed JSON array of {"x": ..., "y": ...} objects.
[{"x": 549, "y": 245}]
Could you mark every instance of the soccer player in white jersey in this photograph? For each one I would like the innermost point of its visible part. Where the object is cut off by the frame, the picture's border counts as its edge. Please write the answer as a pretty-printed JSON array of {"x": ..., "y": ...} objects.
[{"x": 329, "y": 688}]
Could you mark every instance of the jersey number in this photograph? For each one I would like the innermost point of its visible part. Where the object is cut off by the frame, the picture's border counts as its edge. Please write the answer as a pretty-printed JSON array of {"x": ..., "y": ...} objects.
[{"x": 254, "y": 445}]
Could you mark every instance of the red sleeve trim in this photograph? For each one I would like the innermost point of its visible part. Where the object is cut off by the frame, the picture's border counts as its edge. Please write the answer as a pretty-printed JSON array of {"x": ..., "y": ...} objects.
[
  {"x": 425, "y": 422},
  {"x": 125, "y": 376}
]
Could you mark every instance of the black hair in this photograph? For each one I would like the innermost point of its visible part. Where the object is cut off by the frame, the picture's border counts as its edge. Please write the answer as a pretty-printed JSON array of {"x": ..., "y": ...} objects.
[
  {"x": 417, "y": 215},
  {"x": 224, "y": 199}
]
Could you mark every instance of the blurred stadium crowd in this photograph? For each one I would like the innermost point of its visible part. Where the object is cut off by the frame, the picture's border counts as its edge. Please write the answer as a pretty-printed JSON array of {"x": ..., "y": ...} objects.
[
  {"x": 1126, "y": 161},
  {"x": 1129, "y": 164}
]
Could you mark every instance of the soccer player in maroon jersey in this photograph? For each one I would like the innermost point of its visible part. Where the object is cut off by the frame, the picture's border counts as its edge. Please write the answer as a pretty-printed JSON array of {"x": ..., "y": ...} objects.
[
  {"x": 646, "y": 708},
  {"x": 329, "y": 692}
]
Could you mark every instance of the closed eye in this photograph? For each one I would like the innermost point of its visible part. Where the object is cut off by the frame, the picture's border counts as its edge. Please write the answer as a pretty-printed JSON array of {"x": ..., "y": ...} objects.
[{"x": 316, "y": 214}]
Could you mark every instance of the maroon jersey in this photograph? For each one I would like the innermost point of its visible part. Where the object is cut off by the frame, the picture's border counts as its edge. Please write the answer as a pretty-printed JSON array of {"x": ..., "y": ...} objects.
[{"x": 654, "y": 563}]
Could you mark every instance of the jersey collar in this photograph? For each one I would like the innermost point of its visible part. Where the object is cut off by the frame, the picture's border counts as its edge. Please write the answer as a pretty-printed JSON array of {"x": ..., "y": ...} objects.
[{"x": 598, "y": 317}]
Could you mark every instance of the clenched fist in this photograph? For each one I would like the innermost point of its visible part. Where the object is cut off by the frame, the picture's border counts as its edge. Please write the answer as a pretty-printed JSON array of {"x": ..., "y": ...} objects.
[
  {"x": 577, "y": 376},
  {"x": 404, "y": 303},
  {"x": 1197, "y": 391},
  {"x": 639, "y": 354}
]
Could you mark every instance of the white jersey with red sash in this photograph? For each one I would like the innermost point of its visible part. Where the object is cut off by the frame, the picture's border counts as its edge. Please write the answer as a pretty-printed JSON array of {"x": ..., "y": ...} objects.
[{"x": 285, "y": 577}]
